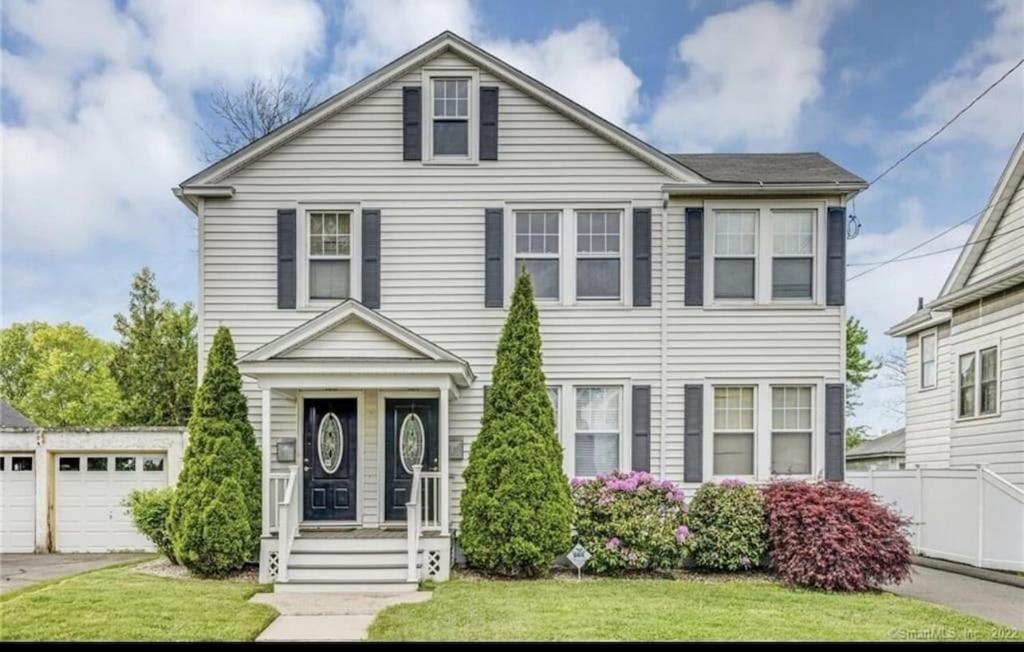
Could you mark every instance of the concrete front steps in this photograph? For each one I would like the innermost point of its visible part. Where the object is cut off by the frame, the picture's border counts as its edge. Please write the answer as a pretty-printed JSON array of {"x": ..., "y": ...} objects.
[{"x": 321, "y": 563}]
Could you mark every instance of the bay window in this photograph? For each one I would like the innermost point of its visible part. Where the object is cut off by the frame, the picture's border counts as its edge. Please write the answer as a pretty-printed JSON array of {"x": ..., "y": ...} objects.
[
  {"x": 598, "y": 430},
  {"x": 733, "y": 431},
  {"x": 735, "y": 234},
  {"x": 537, "y": 247}
]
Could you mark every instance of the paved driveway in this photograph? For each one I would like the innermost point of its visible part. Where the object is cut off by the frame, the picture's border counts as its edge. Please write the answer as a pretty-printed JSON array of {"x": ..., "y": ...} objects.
[
  {"x": 999, "y": 603},
  {"x": 17, "y": 571}
]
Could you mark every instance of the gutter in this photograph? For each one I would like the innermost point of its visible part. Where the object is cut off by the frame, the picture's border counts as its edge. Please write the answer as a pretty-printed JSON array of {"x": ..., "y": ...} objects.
[
  {"x": 189, "y": 195},
  {"x": 760, "y": 189},
  {"x": 996, "y": 282}
]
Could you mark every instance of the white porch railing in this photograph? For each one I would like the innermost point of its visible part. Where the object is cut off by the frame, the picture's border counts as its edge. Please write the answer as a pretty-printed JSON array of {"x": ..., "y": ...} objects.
[
  {"x": 430, "y": 500},
  {"x": 422, "y": 512},
  {"x": 966, "y": 515},
  {"x": 287, "y": 523},
  {"x": 278, "y": 482}
]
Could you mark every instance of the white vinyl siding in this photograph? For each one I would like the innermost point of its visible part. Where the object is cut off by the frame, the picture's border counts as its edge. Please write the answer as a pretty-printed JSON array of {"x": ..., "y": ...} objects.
[
  {"x": 930, "y": 410},
  {"x": 1007, "y": 240}
]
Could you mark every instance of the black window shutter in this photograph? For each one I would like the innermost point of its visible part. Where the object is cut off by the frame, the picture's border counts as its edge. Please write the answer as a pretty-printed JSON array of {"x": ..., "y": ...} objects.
[
  {"x": 286, "y": 243},
  {"x": 494, "y": 289},
  {"x": 641, "y": 256},
  {"x": 371, "y": 257},
  {"x": 694, "y": 270},
  {"x": 835, "y": 274},
  {"x": 488, "y": 123},
  {"x": 835, "y": 431},
  {"x": 642, "y": 428},
  {"x": 412, "y": 135},
  {"x": 693, "y": 434}
]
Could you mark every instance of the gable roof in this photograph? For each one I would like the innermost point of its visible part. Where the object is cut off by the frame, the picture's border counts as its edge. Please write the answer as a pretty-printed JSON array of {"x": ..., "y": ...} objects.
[
  {"x": 11, "y": 418},
  {"x": 888, "y": 445},
  {"x": 1009, "y": 180},
  {"x": 444, "y": 42},
  {"x": 798, "y": 167}
]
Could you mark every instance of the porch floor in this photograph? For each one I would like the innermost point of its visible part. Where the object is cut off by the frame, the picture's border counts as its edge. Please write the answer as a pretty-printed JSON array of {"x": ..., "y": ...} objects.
[{"x": 307, "y": 532}]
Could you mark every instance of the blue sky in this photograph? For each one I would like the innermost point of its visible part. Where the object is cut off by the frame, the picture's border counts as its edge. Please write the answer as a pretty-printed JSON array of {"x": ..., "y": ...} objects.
[{"x": 100, "y": 102}]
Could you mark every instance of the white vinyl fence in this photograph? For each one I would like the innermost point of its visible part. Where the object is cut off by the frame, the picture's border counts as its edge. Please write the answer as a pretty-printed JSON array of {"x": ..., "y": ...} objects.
[{"x": 966, "y": 515}]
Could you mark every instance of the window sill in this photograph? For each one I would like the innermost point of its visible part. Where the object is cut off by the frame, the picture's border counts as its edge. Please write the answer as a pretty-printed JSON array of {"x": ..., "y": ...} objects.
[
  {"x": 440, "y": 162},
  {"x": 930, "y": 388},
  {"x": 977, "y": 417},
  {"x": 763, "y": 306}
]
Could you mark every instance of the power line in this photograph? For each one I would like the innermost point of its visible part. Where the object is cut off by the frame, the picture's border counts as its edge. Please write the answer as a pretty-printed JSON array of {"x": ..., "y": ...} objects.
[
  {"x": 942, "y": 251},
  {"x": 947, "y": 124}
]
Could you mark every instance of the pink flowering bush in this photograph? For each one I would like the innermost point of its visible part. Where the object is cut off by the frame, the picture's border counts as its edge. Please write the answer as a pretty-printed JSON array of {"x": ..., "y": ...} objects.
[
  {"x": 630, "y": 521},
  {"x": 728, "y": 526}
]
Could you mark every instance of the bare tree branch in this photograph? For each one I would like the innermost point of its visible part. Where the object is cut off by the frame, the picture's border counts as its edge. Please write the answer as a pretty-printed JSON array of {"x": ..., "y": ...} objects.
[
  {"x": 894, "y": 377},
  {"x": 241, "y": 117}
]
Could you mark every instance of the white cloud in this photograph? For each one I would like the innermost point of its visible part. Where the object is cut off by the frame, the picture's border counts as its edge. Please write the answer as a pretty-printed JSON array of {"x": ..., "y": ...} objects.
[
  {"x": 750, "y": 74},
  {"x": 582, "y": 63},
  {"x": 377, "y": 31},
  {"x": 197, "y": 42},
  {"x": 996, "y": 119}
]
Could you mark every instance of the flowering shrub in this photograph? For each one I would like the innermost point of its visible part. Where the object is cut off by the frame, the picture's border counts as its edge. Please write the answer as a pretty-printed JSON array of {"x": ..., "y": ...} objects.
[
  {"x": 630, "y": 521},
  {"x": 833, "y": 536},
  {"x": 727, "y": 524}
]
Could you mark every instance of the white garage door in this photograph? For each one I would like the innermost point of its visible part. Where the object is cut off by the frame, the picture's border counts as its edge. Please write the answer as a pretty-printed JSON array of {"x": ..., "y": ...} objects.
[
  {"x": 90, "y": 516},
  {"x": 17, "y": 503}
]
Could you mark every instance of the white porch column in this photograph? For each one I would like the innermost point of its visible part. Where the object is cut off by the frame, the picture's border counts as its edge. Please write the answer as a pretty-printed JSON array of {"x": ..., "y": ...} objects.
[
  {"x": 265, "y": 457},
  {"x": 446, "y": 500}
]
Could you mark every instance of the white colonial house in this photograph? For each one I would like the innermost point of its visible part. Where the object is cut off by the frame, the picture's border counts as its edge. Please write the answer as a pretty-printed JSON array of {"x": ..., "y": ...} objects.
[
  {"x": 965, "y": 349},
  {"x": 363, "y": 255}
]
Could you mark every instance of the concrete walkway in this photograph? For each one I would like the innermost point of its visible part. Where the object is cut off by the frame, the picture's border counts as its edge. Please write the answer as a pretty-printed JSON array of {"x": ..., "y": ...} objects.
[
  {"x": 328, "y": 616},
  {"x": 999, "y": 603},
  {"x": 18, "y": 570}
]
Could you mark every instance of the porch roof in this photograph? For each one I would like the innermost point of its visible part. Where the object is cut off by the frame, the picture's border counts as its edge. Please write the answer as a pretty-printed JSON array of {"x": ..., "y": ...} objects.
[{"x": 352, "y": 343}]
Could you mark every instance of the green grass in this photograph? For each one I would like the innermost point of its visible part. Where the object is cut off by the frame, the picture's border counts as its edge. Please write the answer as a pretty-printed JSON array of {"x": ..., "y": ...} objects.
[
  {"x": 690, "y": 609},
  {"x": 122, "y": 604}
]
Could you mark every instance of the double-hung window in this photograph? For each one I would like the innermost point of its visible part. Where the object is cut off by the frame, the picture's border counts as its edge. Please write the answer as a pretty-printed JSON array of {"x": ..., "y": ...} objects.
[
  {"x": 598, "y": 430},
  {"x": 735, "y": 233},
  {"x": 792, "y": 418},
  {"x": 537, "y": 248},
  {"x": 598, "y": 254},
  {"x": 928, "y": 354},
  {"x": 553, "y": 396},
  {"x": 733, "y": 443},
  {"x": 793, "y": 254},
  {"x": 330, "y": 254},
  {"x": 978, "y": 381},
  {"x": 450, "y": 116}
]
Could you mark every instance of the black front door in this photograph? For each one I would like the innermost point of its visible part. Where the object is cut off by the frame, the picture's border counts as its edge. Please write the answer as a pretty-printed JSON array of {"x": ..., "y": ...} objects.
[
  {"x": 329, "y": 459},
  {"x": 410, "y": 438}
]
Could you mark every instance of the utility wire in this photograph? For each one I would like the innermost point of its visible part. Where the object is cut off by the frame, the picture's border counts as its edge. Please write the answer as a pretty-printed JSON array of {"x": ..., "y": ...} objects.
[
  {"x": 948, "y": 123},
  {"x": 941, "y": 251}
]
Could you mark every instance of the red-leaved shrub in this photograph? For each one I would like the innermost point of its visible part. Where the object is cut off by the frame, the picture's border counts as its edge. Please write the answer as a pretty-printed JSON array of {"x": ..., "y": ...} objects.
[{"x": 833, "y": 536}]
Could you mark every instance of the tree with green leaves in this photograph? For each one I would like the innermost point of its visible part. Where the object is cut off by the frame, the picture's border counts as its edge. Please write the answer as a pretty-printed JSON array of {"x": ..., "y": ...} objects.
[
  {"x": 155, "y": 363},
  {"x": 859, "y": 369},
  {"x": 516, "y": 508},
  {"x": 58, "y": 375},
  {"x": 215, "y": 514}
]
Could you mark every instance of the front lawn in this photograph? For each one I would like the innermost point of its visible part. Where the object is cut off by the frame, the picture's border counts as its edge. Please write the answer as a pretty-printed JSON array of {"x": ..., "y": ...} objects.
[
  {"x": 122, "y": 604},
  {"x": 690, "y": 609}
]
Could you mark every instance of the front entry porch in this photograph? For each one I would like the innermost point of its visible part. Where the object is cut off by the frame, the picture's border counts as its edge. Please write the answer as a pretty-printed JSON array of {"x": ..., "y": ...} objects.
[{"x": 355, "y": 454}]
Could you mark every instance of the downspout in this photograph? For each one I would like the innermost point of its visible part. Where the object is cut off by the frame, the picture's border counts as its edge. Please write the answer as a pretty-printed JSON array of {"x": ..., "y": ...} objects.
[{"x": 663, "y": 423}]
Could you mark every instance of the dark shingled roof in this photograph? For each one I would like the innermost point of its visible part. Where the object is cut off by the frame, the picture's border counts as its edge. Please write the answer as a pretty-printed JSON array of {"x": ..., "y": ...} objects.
[
  {"x": 801, "y": 167},
  {"x": 11, "y": 418},
  {"x": 893, "y": 443}
]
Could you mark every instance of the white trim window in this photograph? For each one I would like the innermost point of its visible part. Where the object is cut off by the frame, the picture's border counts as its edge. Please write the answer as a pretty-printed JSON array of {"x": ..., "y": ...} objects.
[
  {"x": 978, "y": 383},
  {"x": 733, "y": 431},
  {"x": 599, "y": 254},
  {"x": 538, "y": 243},
  {"x": 450, "y": 113},
  {"x": 554, "y": 395},
  {"x": 928, "y": 353},
  {"x": 792, "y": 430},
  {"x": 330, "y": 255},
  {"x": 793, "y": 254},
  {"x": 735, "y": 254},
  {"x": 598, "y": 430}
]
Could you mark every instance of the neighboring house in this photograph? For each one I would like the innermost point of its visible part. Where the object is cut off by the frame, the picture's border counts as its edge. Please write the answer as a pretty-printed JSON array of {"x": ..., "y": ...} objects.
[
  {"x": 363, "y": 255},
  {"x": 965, "y": 349},
  {"x": 11, "y": 418},
  {"x": 885, "y": 452}
]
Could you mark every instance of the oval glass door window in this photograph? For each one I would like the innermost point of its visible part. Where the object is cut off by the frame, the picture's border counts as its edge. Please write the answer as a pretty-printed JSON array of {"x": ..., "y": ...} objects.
[
  {"x": 330, "y": 442},
  {"x": 412, "y": 442}
]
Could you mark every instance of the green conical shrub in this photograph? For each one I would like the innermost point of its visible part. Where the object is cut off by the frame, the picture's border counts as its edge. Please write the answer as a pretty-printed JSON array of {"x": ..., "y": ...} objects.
[
  {"x": 221, "y": 449},
  {"x": 516, "y": 509}
]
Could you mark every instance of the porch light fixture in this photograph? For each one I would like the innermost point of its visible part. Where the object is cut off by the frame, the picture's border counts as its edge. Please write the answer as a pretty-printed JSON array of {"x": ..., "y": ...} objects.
[{"x": 285, "y": 451}]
